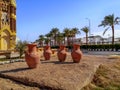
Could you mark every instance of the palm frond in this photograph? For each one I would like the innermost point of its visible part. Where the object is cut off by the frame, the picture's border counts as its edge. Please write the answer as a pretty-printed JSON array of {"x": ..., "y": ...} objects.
[
  {"x": 103, "y": 23},
  {"x": 85, "y": 29},
  {"x": 117, "y": 20},
  {"x": 108, "y": 21},
  {"x": 105, "y": 30}
]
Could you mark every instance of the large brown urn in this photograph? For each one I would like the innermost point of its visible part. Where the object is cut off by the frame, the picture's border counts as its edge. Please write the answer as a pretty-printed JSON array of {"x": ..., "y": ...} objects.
[
  {"x": 62, "y": 53},
  {"x": 47, "y": 52},
  {"x": 32, "y": 56},
  {"x": 76, "y": 53}
]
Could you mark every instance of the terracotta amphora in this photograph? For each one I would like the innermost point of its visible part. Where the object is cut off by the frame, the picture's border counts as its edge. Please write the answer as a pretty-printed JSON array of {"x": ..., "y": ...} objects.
[
  {"x": 47, "y": 52},
  {"x": 62, "y": 53},
  {"x": 76, "y": 53},
  {"x": 32, "y": 56}
]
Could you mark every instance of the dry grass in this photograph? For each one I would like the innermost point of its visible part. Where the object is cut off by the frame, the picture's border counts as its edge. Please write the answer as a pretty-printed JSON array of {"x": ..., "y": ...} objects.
[
  {"x": 107, "y": 77},
  {"x": 114, "y": 56}
]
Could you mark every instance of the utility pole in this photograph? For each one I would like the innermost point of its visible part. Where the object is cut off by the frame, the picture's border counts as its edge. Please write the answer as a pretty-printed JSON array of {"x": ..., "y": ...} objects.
[
  {"x": 89, "y": 26},
  {"x": 89, "y": 30}
]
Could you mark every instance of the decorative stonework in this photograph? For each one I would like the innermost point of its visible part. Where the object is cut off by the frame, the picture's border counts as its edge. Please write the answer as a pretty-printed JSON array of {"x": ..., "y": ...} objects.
[
  {"x": 13, "y": 16},
  {"x": 13, "y": 2},
  {"x": 7, "y": 24}
]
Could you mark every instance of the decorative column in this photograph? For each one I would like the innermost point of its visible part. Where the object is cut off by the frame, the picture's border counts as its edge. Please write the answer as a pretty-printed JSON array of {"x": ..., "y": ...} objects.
[
  {"x": 13, "y": 19},
  {"x": 13, "y": 15},
  {"x": 12, "y": 42},
  {"x": 13, "y": 23}
]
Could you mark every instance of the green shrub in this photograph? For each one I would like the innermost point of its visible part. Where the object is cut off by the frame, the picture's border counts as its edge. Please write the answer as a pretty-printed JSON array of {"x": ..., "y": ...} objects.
[{"x": 20, "y": 47}]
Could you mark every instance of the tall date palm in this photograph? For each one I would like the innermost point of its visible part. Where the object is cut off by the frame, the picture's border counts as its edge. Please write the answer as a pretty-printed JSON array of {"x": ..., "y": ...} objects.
[
  {"x": 86, "y": 30},
  {"x": 66, "y": 32},
  {"x": 54, "y": 32},
  {"x": 110, "y": 21},
  {"x": 41, "y": 39},
  {"x": 74, "y": 32}
]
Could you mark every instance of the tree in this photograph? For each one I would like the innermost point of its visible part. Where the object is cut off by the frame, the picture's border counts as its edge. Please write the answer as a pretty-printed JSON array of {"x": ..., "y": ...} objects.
[
  {"x": 48, "y": 39},
  {"x": 110, "y": 21},
  {"x": 60, "y": 38},
  {"x": 41, "y": 39},
  {"x": 67, "y": 34},
  {"x": 49, "y": 36},
  {"x": 74, "y": 32},
  {"x": 86, "y": 30},
  {"x": 54, "y": 32},
  {"x": 20, "y": 47}
]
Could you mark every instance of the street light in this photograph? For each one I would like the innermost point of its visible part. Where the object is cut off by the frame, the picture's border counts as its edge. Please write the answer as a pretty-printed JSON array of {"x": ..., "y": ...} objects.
[{"x": 89, "y": 26}]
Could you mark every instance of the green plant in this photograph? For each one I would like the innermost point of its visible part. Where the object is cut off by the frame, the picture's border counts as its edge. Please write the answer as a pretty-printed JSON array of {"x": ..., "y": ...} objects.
[
  {"x": 110, "y": 21},
  {"x": 20, "y": 47}
]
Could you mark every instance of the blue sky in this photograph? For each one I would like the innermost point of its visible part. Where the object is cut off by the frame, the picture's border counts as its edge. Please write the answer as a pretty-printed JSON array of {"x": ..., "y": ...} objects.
[{"x": 36, "y": 17}]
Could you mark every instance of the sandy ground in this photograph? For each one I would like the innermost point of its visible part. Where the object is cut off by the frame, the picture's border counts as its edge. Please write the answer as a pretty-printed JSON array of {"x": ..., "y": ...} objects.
[
  {"x": 86, "y": 62},
  {"x": 6, "y": 84}
]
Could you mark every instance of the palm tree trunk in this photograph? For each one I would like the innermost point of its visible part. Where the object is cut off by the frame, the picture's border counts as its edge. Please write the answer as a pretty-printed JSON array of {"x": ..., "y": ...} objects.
[
  {"x": 64, "y": 40},
  {"x": 50, "y": 41},
  {"x": 72, "y": 39},
  {"x": 67, "y": 40},
  {"x": 112, "y": 34},
  {"x": 55, "y": 41},
  {"x": 86, "y": 38},
  {"x": 42, "y": 43}
]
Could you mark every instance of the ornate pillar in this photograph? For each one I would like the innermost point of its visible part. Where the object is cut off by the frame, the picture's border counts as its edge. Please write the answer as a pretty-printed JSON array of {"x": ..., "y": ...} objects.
[
  {"x": 13, "y": 18},
  {"x": 12, "y": 42},
  {"x": 13, "y": 23}
]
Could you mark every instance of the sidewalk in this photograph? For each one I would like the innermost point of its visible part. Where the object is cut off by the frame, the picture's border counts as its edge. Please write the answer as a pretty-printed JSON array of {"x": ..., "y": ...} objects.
[{"x": 16, "y": 54}]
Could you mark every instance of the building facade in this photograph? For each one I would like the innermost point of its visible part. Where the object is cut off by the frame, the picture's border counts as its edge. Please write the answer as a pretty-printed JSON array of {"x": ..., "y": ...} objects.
[{"x": 7, "y": 24}]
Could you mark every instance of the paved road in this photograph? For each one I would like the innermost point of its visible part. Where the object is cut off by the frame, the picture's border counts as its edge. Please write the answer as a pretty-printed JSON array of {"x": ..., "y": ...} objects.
[
  {"x": 101, "y": 52},
  {"x": 84, "y": 52}
]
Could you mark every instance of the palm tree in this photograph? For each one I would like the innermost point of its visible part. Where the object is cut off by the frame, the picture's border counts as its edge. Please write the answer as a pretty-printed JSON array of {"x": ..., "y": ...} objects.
[
  {"x": 86, "y": 30},
  {"x": 63, "y": 36},
  {"x": 54, "y": 32},
  {"x": 67, "y": 34},
  {"x": 109, "y": 22},
  {"x": 60, "y": 38},
  {"x": 74, "y": 32},
  {"x": 41, "y": 39},
  {"x": 48, "y": 39}
]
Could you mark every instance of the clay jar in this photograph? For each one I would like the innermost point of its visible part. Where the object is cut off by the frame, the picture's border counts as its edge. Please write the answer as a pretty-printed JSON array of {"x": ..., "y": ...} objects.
[
  {"x": 47, "y": 52},
  {"x": 62, "y": 53},
  {"x": 32, "y": 56},
  {"x": 76, "y": 53}
]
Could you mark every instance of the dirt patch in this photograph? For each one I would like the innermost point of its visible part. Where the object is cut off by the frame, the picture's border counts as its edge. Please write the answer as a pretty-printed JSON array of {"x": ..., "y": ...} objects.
[
  {"x": 53, "y": 74},
  {"x": 6, "y": 84}
]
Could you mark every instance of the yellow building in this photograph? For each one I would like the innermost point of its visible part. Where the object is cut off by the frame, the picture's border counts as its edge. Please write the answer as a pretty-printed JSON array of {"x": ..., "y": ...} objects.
[{"x": 7, "y": 24}]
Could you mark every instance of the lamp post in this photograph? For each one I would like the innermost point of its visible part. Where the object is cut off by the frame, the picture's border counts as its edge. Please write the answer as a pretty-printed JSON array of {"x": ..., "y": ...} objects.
[{"x": 89, "y": 26}]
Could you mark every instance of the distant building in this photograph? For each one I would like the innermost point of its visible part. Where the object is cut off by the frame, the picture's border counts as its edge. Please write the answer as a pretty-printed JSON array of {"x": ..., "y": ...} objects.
[
  {"x": 17, "y": 39},
  {"x": 92, "y": 40},
  {"x": 7, "y": 24},
  {"x": 95, "y": 40},
  {"x": 117, "y": 40}
]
